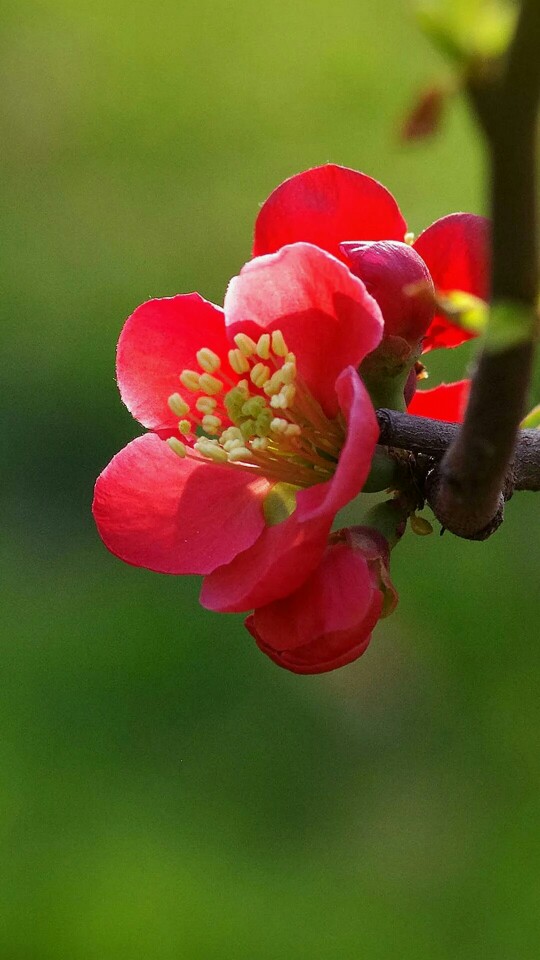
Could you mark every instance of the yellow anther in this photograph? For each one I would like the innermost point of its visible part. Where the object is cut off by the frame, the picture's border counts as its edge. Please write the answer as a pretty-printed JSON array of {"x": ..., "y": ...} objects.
[
  {"x": 285, "y": 397},
  {"x": 184, "y": 427},
  {"x": 211, "y": 450},
  {"x": 178, "y": 406},
  {"x": 177, "y": 446},
  {"x": 409, "y": 238},
  {"x": 239, "y": 453},
  {"x": 279, "y": 347},
  {"x": 420, "y": 525},
  {"x": 208, "y": 360},
  {"x": 190, "y": 380},
  {"x": 231, "y": 433},
  {"x": 279, "y": 425},
  {"x": 206, "y": 404},
  {"x": 238, "y": 361},
  {"x": 288, "y": 372},
  {"x": 259, "y": 443},
  {"x": 211, "y": 424},
  {"x": 290, "y": 358},
  {"x": 274, "y": 384},
  {"x": 263, "y": 346},
  {"x": 210, "y": 384},
  {"x": 260, "y": 374},
  {"x": 244, "y": 386},
  {"x": 245, "y": 344},
  {"x": 230, "y": 445},
  {"x": 293, "y": 430}
]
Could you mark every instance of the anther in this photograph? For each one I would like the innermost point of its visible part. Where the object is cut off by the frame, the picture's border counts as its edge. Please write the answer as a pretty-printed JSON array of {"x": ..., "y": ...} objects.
[
  {"x": 288, "y": 372},
  {"x": 211, "y": 450},
  {"x": 190, "y": 380},
  {"x": 178, "y": 406},
  {"x": 238, "y": 361},
  {"x": 279, "y": 347},
  {"x": 259, "y": 443},
  {"x": 274, "y": 384},
  {"x": 420, "y": 525},
  {"x": 409, "y": 238},
  {"x": 260, "y": 374},
  {"x": 177, "y": 446},
  {"x": 184, "y": 427},
  {"x": 279, "y": 425},
  {"x": 245, "y": 344},
  {"x": 210, "y": 384},
  {"x": 263, "y": 346},
  {"x": 208, "y": 360},
  {"x": 211, "y": 424},
  {"x": 206, "y": 404},
  {"x": 239, "y": 453}
]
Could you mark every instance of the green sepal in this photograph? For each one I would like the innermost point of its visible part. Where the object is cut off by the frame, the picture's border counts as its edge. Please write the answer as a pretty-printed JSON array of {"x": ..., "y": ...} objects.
[{"x": 384, "y": 473}]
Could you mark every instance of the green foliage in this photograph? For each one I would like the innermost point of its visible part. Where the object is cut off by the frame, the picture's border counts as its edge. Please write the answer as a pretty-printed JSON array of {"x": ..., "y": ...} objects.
[{"x": 467, "y": 29}]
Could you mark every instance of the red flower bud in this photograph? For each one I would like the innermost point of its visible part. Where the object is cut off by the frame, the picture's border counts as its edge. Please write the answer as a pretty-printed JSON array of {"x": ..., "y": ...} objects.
[
  {"x": 391, "y": 270},
  {"x": 327, "y": 623}
]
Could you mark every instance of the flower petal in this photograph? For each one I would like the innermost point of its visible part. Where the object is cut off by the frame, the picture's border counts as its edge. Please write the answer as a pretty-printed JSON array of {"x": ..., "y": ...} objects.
[
  {"x": 325, "y": 206},
  {"x": 325, "y": 313},
  {"x": 175, "y": 516},
  {"x": 445, "y": 402},
  {"x": 456, "y": 250},
  {"x": 355, "y": 457},
  {"x": 158, "y": 341},
  {"x": 327, "y": 622},
  {"x": 280, "y": 560}
]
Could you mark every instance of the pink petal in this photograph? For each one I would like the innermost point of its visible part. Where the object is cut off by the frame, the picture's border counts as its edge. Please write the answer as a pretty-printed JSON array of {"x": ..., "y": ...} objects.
[
  {"x": 325, "y": 206},
  {"x": 325, "y": 314},
  {"x": 175, "y": 516},
  {"x": 158, "y": 341},
  {"x": 388, "y": 268},
  {"x": 456, "y": 250},
  {"x": 355, "y": 457},
  {"x": 327, "y": 622},
  {"x": 445, "y": 402},
  {"x": 280, "y": 560}
]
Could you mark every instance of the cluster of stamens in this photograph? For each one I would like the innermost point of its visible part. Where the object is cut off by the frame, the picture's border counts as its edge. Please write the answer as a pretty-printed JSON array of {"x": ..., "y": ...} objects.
[{"x": 268, "y": 422}]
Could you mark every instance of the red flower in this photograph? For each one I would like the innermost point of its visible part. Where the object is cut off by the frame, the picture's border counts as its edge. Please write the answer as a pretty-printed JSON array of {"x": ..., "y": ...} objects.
[
  {"x": 445, "y": 402},
  {"x": 327, "y": 622},
  {"x": 277, "y": 430},
  {"x": 340, "y": 209}
]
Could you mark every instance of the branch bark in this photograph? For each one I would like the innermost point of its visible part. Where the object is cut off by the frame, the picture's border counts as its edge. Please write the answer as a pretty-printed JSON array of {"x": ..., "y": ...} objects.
[
  {"x": 467, "y": 487},
  {"x": 432, "y": 438}
]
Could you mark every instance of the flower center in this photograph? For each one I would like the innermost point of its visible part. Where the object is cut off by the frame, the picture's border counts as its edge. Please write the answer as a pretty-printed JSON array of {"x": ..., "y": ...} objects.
[{"x": 268, "y": 423}]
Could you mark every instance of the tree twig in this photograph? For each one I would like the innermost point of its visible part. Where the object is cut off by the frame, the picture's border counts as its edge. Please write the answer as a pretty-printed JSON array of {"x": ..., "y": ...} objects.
[{"x": 467, "y": 488}]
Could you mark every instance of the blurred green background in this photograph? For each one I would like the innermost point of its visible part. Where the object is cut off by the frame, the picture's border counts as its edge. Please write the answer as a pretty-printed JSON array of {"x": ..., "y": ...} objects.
[{"x": 165, "y": 791}]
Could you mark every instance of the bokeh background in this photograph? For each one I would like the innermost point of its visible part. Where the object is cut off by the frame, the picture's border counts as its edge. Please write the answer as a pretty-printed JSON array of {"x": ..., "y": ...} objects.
[{"x": 166, "y": 792}]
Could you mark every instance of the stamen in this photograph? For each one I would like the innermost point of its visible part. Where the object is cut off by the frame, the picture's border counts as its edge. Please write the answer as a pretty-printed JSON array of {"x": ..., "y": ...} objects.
[
  {"x": 288, "y": 372},
  {"x": 274, "y": 384},
  {"x": 260, "y": 374},
  {"x": 210, "y": 384},
  {"x": 211, "y": 450},
  {"x": 279, "y": 425},
  {"x": 177, "y": 446},
  {"x": 206, "y": 404},
  {"x": 279, "y": 347},
  {"x": 191, "y": 380},
  {"x": 263, "y": 346},
  {"x": 178, "y": 405},
  {"x": 184, "y": 427},
  {"x": 211, "y": 424},
  {"x": 238, "y": 361},
  {"x": 239, "y": 453},
  {"x": 208, "y": 360},
  {"x": 245, "y": 344}
]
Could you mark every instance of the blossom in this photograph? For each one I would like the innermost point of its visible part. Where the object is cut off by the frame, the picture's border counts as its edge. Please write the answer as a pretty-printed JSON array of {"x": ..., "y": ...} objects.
[
  {"x": 261, "y": 428},
  {"x": 328, "y": 621},
  {"x": 358, "y": 220}
]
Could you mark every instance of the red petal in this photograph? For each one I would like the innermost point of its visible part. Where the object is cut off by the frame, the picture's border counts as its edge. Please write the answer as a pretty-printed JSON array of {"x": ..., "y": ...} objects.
[
  {"x": 355, "y": 457},
  {"x": 325, "y": 313},
  {"x": 159, "y": 340},
  {"x": 445, "y": 402},
  {"x": 327, "y": 622},
  {"x": 325, "y": 206},
  {"x": 175, "y": 516},
  {"x": 387, "y": 268},
  {"x": 457, "y": 252},
  {"x": 280, "y": 560}
]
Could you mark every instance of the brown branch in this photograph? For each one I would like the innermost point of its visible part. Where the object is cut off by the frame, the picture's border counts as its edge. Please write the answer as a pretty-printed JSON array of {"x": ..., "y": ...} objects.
[
  {"x": 467, "y": 489},
  {"x": 432, "y": 438}
]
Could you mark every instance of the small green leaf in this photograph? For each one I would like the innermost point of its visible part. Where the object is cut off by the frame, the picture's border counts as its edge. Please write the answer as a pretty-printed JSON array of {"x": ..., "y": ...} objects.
[{"x": 532, "y": 420}]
